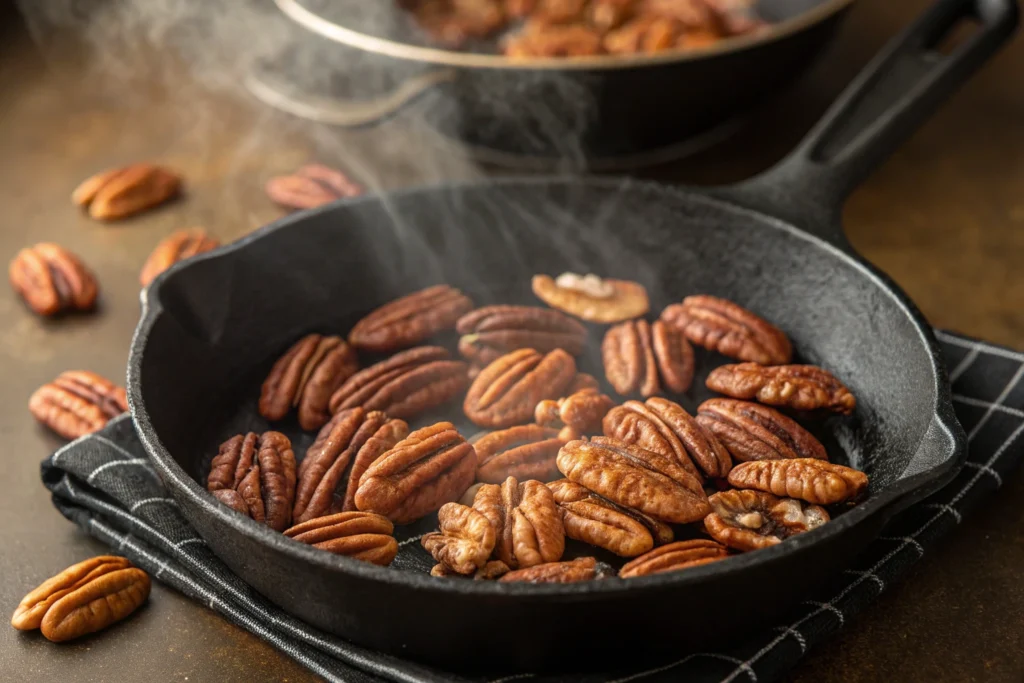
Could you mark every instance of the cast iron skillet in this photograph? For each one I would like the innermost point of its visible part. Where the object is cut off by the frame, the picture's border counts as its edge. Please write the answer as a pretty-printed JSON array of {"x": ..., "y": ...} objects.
[{"x": 211, "y": 327}]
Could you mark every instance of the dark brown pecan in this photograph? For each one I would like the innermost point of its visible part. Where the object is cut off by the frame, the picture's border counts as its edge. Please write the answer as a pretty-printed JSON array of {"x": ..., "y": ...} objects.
[
  {"x": 749, "y": 520},
  {"x": 592, "y": 298},
  {"x": 360, "y": 535},
  {"x": 572, "y": 571},
  {"x": 524, "y": 452},
  {"x": 77, "y": 403},
  {"x": 635, "y": 354},
  {"x": 410, "y": 320},
  {"x": 801, "y": 387},
  {"x": 653, "y": 483},
  {"x": 492, "y": 570},
  {"x": 665, "y": 427},
  {"x": 492, "y": 331},
  {"x": 311, "y": 186},
  {"x": 675, "y": 557},
  {"x": 306, "y": 377},
  {"x": 52, "y": 280},
  {"x": 526, "y": 520},
  {"x": 731, "y": 330},
  {"x": 465, "y": 540},
  {"x": 815, "y": 481},
  {"x": 122, "y": 192},
  {"x": 404, "y": 385},
  {"x": 755, "y": 432},
  {"x": 260, "y": 469},
  {"x": 430, "y": 467},
  {"x": 581, "y": 411},
  {"x": 178, "y": 246},
  {"x": 507, "y": 391}
]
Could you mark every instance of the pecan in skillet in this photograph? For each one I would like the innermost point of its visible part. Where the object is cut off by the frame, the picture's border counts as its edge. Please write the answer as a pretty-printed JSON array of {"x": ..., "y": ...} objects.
[
  {"x": 636, "y": 353},
  {"x": 254, "y": 474},
  {"x": 581, "y": 411},
  {"x": 77, "y": 403},
  {"x": 492, "y": 331},
  {"x": 801, "y": 387},
  {"x": 305, "y": 377},
  {"x": 52, "y": 280},
  {"x": 665, "y": 427},
  {"x": 605, "y": 15},
  {"x": 571, "y": 571},
  {"x": 430, "y": 467},
  {"x": 653, "y": 483},
  {"x": 361, "y": 535},
  {"x": 524, "y": 452},
  {"x": 178, "y": 246},
  {"x": 646, "y": 34},
  {"x": 731, "y": 330},
  {"x": 404, "y": 385},
  {"x": 465, "y": 540},
  {"x": 754, "y": 432},
  {"x": 84, "y": 598},
  {"x": 409, "y": 320},
  {"x": 491, "y": 570},
  {"x": 123, "y": 192},
  {"x": 749, "y": 520},
  {"x": 592, "y": 298},
  {"x": 526, "y": 519},
  {"x": 675, "y": 557},
  {"x": 311, "y": 186},
  {"x": 507, "y": 391},
  {"x": 815, "y": 481},
  {"x": 453, "y": 22}
]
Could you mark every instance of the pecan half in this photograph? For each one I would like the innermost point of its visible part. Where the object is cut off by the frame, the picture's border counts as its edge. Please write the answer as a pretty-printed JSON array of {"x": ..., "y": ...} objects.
[
  {"x": 30, "y": 611},
  {"x": 539, "y": 39},
  {"x": 582, "y": 381},
  {"x": 122, "y": 192},
  {"x": 524, "y": 452},
  {"x": 581, "y": 411},
  {"x": 52, "y": 280},
  {"x": 452, "y": 24},
  {"x": 507, "y": 391},
  {"x": 635, "y": 354},
  {"x": 815, "y": 481},
  {"x": 178, "y": 246},
  {"x": 465, "y": 540},
  {"x": 492, "y": 570},
  {"x": 311, "y": 186},
  {"x": 305, "y": 377},
  {"x": 675, "y": 557},
  {"x": 77, "y": 403},
  {"x": 360, "y": 535},
  {"x": 526, "y": 519},
  {"x": 665, "y": 427},
  {"x": 409, "y": 320},
  {"x": 801, "y": 387},
  {"x": 755, "y": 432},
  {"x": 492, "y": 331},
  {"x": 572, "y": 571},
  {"x": 731, "y": 330},
  {"x": 255, "y": 475},
  {"x": 749, "y": 520},
  {"x": 430, "y": 467},
  {"x": 645, "y": 34},
  {"x": 592, "y": 298},
  {"x": 404, "y": 385}
]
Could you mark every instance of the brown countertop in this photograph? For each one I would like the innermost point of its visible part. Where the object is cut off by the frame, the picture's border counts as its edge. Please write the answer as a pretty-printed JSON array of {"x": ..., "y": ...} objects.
[{"x": 945, "y": 217}]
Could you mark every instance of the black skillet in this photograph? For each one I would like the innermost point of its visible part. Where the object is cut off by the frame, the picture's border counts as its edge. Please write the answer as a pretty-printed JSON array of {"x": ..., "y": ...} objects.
[{"x": 211, "y": 327}]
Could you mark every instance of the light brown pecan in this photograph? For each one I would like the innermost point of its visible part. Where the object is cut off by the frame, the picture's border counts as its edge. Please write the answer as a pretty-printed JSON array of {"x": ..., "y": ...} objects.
[
  {"x": 675, "y": 557},
  {"x": 524, "y": 452},
  {"x": 526, "y": 519},
  {"x": 801, "y": 387},
  {"x": 581, "y": 411},
  {"x": 592, "y": 298},
  {"x": 306, "y": 377},
  {"x": 815, "y": 481},
  {"x": 582, "y": 381},
  {"x": 653, "y": 483},
  {"x": 453, "y": 23},
  {"x": 122, "y": 192},
  {"x": 311, "y": 186},
  {"x": 30, "y": 611},
  {"x": 360, "y": 535},
  {"x": 645, "y": 34},
  {"x": 755, "y": 432},
  {"x": 465, "y": 540},
  {"x": 492, "y": 570},
  {"x": 52, "y": 280},
  {"x": 635, "y": 354},
  {"x": 749, "y": 520},
  {"x": 254, "y": 474},
  {"x": 410, "y": 320},
  {"x": 178, "y": 246},
  {"x": 77, "y": 403},
  {"x": 430, "y": 467},
  {"x": 605, "y": 15},
  {"x": 507, "y": 391},
  {"x": 665, "y": 427},
  {"x": 571, "y": 571},
  {"x": 492, "y": 331},
  {"x": 542, "y": 39},
  {"x": 731, "y": 330}
]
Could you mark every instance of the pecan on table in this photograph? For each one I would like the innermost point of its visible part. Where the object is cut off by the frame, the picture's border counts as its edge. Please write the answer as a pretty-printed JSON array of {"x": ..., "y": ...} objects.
[
  {"x": 526, "y": 519},
  {"x": 731, "y": 330},
  {"x": 492, "y": 331},
  {"x": 507, "y": 391},
  {"x": 749, "y": 520},
  {"x": 800, "y": 387},
  {"x": 409, "y": 320},
  {"x": 404, "y": 385},
  {"x": 571, "y": 571},
  {"x": 77, "y": 403},
  {"x": 635, "y": 354},
  {"x": 581, "y": 411},
  {"x": 52, "y": 280},
  {"x": 754, "y": 432},
  {"x": 465, "y": 540},
  {"x": 430, "y": 467},
  {"x": 123, "y": 192},
  {"x": 653, "y": 483},
  {"x": 254, "y": 474},
  {"x": 815, "y": 481},
  {"x": 592, "y": 298},
  {"x": 524, "y": 452},
  {"x": 360, "y": 535},
  {"x": 305, "y": 377},
  {"x": 178, "y": 246},
  {"x": 675, "y": 557},
  {"x": 84, "y": 598},
  {"x": 665, "y": 427},
  {"x": 491, "y": 570},
  {"x": 311, "y": 186}
]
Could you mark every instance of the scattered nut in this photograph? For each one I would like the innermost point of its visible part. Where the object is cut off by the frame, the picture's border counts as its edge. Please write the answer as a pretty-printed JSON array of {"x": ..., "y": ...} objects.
[
  {"x": 123, "y": 192},
  {"x": 592, "y": 298},
  {"x": 749, "y": 520},
  {"x": 178, "y": 246},
  {"x": 573, "y": 571},
  {"x": 815, "y": 481},
  {"x": 465, "y": 541},
  {"x": 755, "y": 432},
  {"x": 410, "y": 320},
  {"x": 581, "y": 411},
  {"x": 731, "y": 330},
  {"x": 77, "y": 403},
  {"x": 360, "y": 535},
  {"x": 674, "y": 557},
  {"x": 52, "y": 280},
  {"x": 800, "y": 387}
]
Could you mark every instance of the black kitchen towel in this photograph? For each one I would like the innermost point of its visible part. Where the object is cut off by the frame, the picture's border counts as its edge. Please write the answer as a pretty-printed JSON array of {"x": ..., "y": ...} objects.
[{"x": 109, "y": 488}]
